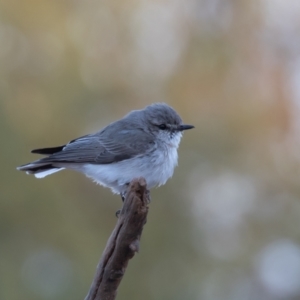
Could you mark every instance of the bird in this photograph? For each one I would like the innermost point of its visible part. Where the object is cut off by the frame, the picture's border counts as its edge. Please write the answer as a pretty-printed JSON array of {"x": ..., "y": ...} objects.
[{"x": 143, "y": 143}]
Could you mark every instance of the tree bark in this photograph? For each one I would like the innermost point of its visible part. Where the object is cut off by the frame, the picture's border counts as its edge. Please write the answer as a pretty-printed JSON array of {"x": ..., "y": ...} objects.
[{"x": 122, "y": 244}]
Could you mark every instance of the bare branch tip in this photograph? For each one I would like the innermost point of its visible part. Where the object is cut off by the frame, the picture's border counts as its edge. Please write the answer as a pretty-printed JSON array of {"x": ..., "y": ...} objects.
[
  {"x": 142, "y": 182},
  {"x": 138, "y": 184}
]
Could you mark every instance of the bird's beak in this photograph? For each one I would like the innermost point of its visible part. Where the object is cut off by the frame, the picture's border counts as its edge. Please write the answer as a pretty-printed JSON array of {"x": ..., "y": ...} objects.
[{"x": 185, "y": 127}]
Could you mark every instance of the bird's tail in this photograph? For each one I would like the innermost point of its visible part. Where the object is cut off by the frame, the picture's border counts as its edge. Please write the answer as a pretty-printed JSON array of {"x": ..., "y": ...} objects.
[{"x": 41, "y": 168}]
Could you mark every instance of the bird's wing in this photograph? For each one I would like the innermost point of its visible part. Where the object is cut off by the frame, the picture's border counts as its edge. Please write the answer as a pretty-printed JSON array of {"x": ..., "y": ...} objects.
[{"x": 101, "y": 148}]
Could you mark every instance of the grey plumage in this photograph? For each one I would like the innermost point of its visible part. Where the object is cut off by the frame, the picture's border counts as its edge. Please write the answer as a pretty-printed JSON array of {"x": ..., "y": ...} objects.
[{"x": 125, "y": 148}]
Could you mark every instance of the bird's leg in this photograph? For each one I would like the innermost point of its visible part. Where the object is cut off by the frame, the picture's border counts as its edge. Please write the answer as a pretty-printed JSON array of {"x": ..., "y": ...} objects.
[
  {"x": 148, "y": 195},
  {"x": 123, "y": 196},
  {"x": 124, "y": 192},
  {"x": 118, "y": 213}
]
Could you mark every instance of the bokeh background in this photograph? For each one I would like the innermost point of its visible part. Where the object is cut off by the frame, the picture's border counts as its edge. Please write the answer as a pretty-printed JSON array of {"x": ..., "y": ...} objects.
[{"x": 227, "y": 226}]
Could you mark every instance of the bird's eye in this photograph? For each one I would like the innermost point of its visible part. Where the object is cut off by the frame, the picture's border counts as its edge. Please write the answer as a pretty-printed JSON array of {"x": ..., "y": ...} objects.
[{"x": 162, "y": 126}]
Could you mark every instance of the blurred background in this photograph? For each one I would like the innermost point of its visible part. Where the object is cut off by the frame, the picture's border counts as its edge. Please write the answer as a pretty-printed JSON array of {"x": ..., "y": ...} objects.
[{"x": 227, "y": 225}]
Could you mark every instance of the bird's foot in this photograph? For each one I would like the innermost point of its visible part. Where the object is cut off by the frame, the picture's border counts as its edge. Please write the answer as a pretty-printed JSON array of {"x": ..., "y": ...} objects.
[
  {"x": 148, "y": 195},
  {"x": 123, "y": 196},
  {"x": 118, "y": 213}
]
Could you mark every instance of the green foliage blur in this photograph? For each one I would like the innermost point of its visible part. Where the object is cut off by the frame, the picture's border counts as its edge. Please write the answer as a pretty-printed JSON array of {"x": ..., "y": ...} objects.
[{"x": 227, "y": 225}]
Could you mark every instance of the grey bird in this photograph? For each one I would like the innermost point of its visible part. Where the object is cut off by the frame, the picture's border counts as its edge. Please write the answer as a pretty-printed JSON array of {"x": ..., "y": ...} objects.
[{"x": 144, "y": 143}]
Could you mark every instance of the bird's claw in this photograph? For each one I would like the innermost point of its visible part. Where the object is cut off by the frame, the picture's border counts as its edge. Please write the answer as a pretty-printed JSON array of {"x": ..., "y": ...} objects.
[
  {"x": 148, "y": 195},
  {"x": 118, "y": 212}
]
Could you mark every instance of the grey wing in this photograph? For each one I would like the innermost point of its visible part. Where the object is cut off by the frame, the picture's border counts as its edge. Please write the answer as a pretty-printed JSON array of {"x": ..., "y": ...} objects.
[{"x": 102, "y": 149}]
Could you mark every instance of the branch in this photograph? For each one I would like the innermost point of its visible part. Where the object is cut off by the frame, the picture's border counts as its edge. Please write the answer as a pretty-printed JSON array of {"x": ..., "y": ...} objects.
[{"x": 122, "y": 244}]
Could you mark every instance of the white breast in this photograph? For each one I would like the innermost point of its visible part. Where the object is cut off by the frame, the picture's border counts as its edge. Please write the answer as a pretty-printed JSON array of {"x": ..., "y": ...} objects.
[{"x": 156, "y": 167}]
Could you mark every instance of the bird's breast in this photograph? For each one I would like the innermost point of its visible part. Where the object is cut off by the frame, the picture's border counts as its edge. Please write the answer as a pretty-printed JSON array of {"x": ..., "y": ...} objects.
[{"x": 163, "y": 162}]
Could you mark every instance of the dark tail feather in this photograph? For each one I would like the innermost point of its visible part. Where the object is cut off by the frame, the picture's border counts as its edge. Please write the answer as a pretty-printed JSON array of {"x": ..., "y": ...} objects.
[
  {"x": 33, "y": 168},
  {"x": 48, "y": 151},
  {"x": 42, "y": 167}
]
